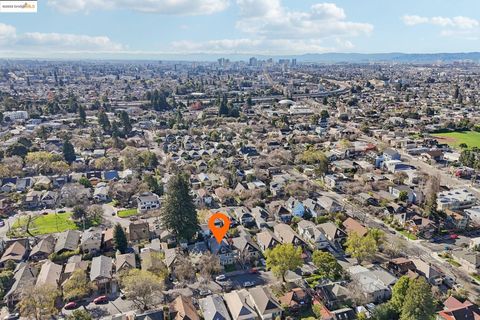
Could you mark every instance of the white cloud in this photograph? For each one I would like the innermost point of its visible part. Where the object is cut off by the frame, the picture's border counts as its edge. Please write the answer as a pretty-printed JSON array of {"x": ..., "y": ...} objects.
[
  {"x": 273, "y": 20},
  {"x": 173, "y": 7},
  {"x": 459, "y": 22},
  {"x": 35, "y": 42},
  {"x": 7, "y": 33},
  {"x": 272, "y": 28}
]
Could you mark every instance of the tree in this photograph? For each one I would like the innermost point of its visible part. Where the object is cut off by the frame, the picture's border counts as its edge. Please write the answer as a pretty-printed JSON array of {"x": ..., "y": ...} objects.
[
  {"x": 328, "y": 266},
  {"x": 82, "y": 115},
  {"x": 419, "y": 303},
  {"x": 432, "y": 187},
  {"x": 38, "y": 302},
  {"x": 223, "y": 107},
  {"x": 184, "y": 269},
  {"x": 80, "y": 314},
  {"x": 384, "y": 311},
  {"x": 142, "y": 287},
  {"x": 68, "y": 152},
  {"x": 399, "y": 292},
  {"x": 103, "y": 121},
  {"x": 361, "y": 247},
  {"x": 79, "y": 212},
  {"x": 85, "y": 182},
  {"x": 153, "y": 184},
  {"x": 77, "y": 286},
  {"x": 403, "y": 196},
  {"x": 179, "y": 214},
  {"x": 6, "y": 281},
  {"x": 282, "y": 258},
  {"x": 126, "y": 124},
  {"x": 377, "y": 235},
  {"x": 119, "y": 238},
  {"x": 155, "y": 264},
  {"x": 209, "y": 265}
]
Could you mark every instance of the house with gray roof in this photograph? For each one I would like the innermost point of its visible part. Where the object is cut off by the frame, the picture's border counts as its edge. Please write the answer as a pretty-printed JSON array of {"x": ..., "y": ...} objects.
[
  {"x": 213, "y": 308},
  {"x": 239, "y": 306},
  {"x": 67, "y": 241},
  {"x": 265, "y": 305},
  {"x": 101, "y": 272}
]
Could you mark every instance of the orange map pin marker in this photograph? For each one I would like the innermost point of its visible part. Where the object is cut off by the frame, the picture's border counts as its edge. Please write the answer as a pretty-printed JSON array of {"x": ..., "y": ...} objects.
[{"x": 219, "y": 232}]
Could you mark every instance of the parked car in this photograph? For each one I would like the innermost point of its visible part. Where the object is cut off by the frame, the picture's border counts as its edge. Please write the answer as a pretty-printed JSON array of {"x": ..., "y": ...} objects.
[
  {"x": 13, "y": 316},
  {"x": 61, "y": 211},
  {"x": 100, "y": 300},
  {"x": 253, "y": 270},
  {"x": 71, "y": 305},
  {"x": 2, "y": 223},
  {"x": 204, "y": 292},
  {"x": 221, "y": 277},
  {"x": 248, "y": 284}
]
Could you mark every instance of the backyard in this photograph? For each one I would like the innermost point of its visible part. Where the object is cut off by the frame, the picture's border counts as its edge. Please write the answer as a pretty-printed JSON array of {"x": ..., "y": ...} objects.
[{"x": 454, "y": 139}]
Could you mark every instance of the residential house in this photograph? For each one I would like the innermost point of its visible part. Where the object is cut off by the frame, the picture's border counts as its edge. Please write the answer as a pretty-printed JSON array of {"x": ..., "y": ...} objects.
[
  {"x": 429, "y": 272},
  {"x": 101, "y": 273},
  {"x": 16, "y": 252},
  {"x": 353, "y": 226},
  {"x": 239, "y": 306},
  {"x": 469, "y": 261},
  {"x": 265, "y": 305},
  {"x": 213, "y": 308},
  {"x": 457, "y": 310},
  {"x": 374, "y": 283},
  {"x": 334, "y": 234},
  {"x": 266, "y": 239},
  {"x": 223, "y": 250},
  {"x": 100, "y": 194},
  {"x": 67, "y": 241},
  {"x": 245, "y": 248},
  {"x": 400, "y": 266},
  {"x": 125, "y": 262},
  {"x": 329, "y": 205},
  {"x": 311, "y": 234},
  {"x": 398, "y": 190},
  {"x": 286, "y": 235},
  {"x": 49, "y": 199},
  {"x": 244, "y": 216},
  {"x": 42, "y": 249},
  {"x": 147, "y": 201},
  {"x": 295, "y": 299},
  {"x": 49, "y": 275},
  {"x": 24, "y": 277},
  {"x": 182, "y": 308},
  {"x": 91, "y": 242}
]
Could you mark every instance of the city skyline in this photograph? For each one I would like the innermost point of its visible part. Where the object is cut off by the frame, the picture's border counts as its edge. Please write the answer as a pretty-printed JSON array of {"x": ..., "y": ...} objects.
[{"x": 111, "y": 29}]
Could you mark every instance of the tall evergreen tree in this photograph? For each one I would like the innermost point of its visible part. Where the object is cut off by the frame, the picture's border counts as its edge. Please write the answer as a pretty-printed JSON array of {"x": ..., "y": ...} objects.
[
  {"x": 119, "y": 238},
  {"x": 179, "y": 214},
  {"x": 126, "y": 124},
  {"x": 68, "y": 152},
  {"x": 82, "y": 115},
  {"x": 418, "y": 303},
  {"x": 223, "y": 107},
  {"x": 103, "y": 121}
]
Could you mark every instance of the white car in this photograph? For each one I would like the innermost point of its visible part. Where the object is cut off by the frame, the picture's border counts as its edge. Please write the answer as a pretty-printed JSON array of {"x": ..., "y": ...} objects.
[
  {"x": 221, "y": 277},
  {"x": 248, "y": 284}
]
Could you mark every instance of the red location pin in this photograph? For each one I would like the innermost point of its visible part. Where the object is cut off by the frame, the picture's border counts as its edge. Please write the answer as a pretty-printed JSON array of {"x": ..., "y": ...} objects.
[{"x": 219, "y": 232}]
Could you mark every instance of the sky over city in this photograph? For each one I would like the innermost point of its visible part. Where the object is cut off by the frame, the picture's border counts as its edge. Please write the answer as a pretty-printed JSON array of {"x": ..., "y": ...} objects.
[{"x": 65, "y": 28}]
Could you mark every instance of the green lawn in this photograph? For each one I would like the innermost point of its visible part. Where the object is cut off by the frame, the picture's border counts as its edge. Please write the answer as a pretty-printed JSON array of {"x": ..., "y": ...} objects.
[
  {"x": 45, "y": 224},
  {"x": 127, "y": 213},
  {"x": 409, "y": 235},
  {"x": 454, "y": 139}
]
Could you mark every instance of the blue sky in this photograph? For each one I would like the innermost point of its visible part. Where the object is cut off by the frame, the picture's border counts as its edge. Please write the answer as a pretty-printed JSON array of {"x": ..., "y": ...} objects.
[{"x": 131, "y": 28}]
